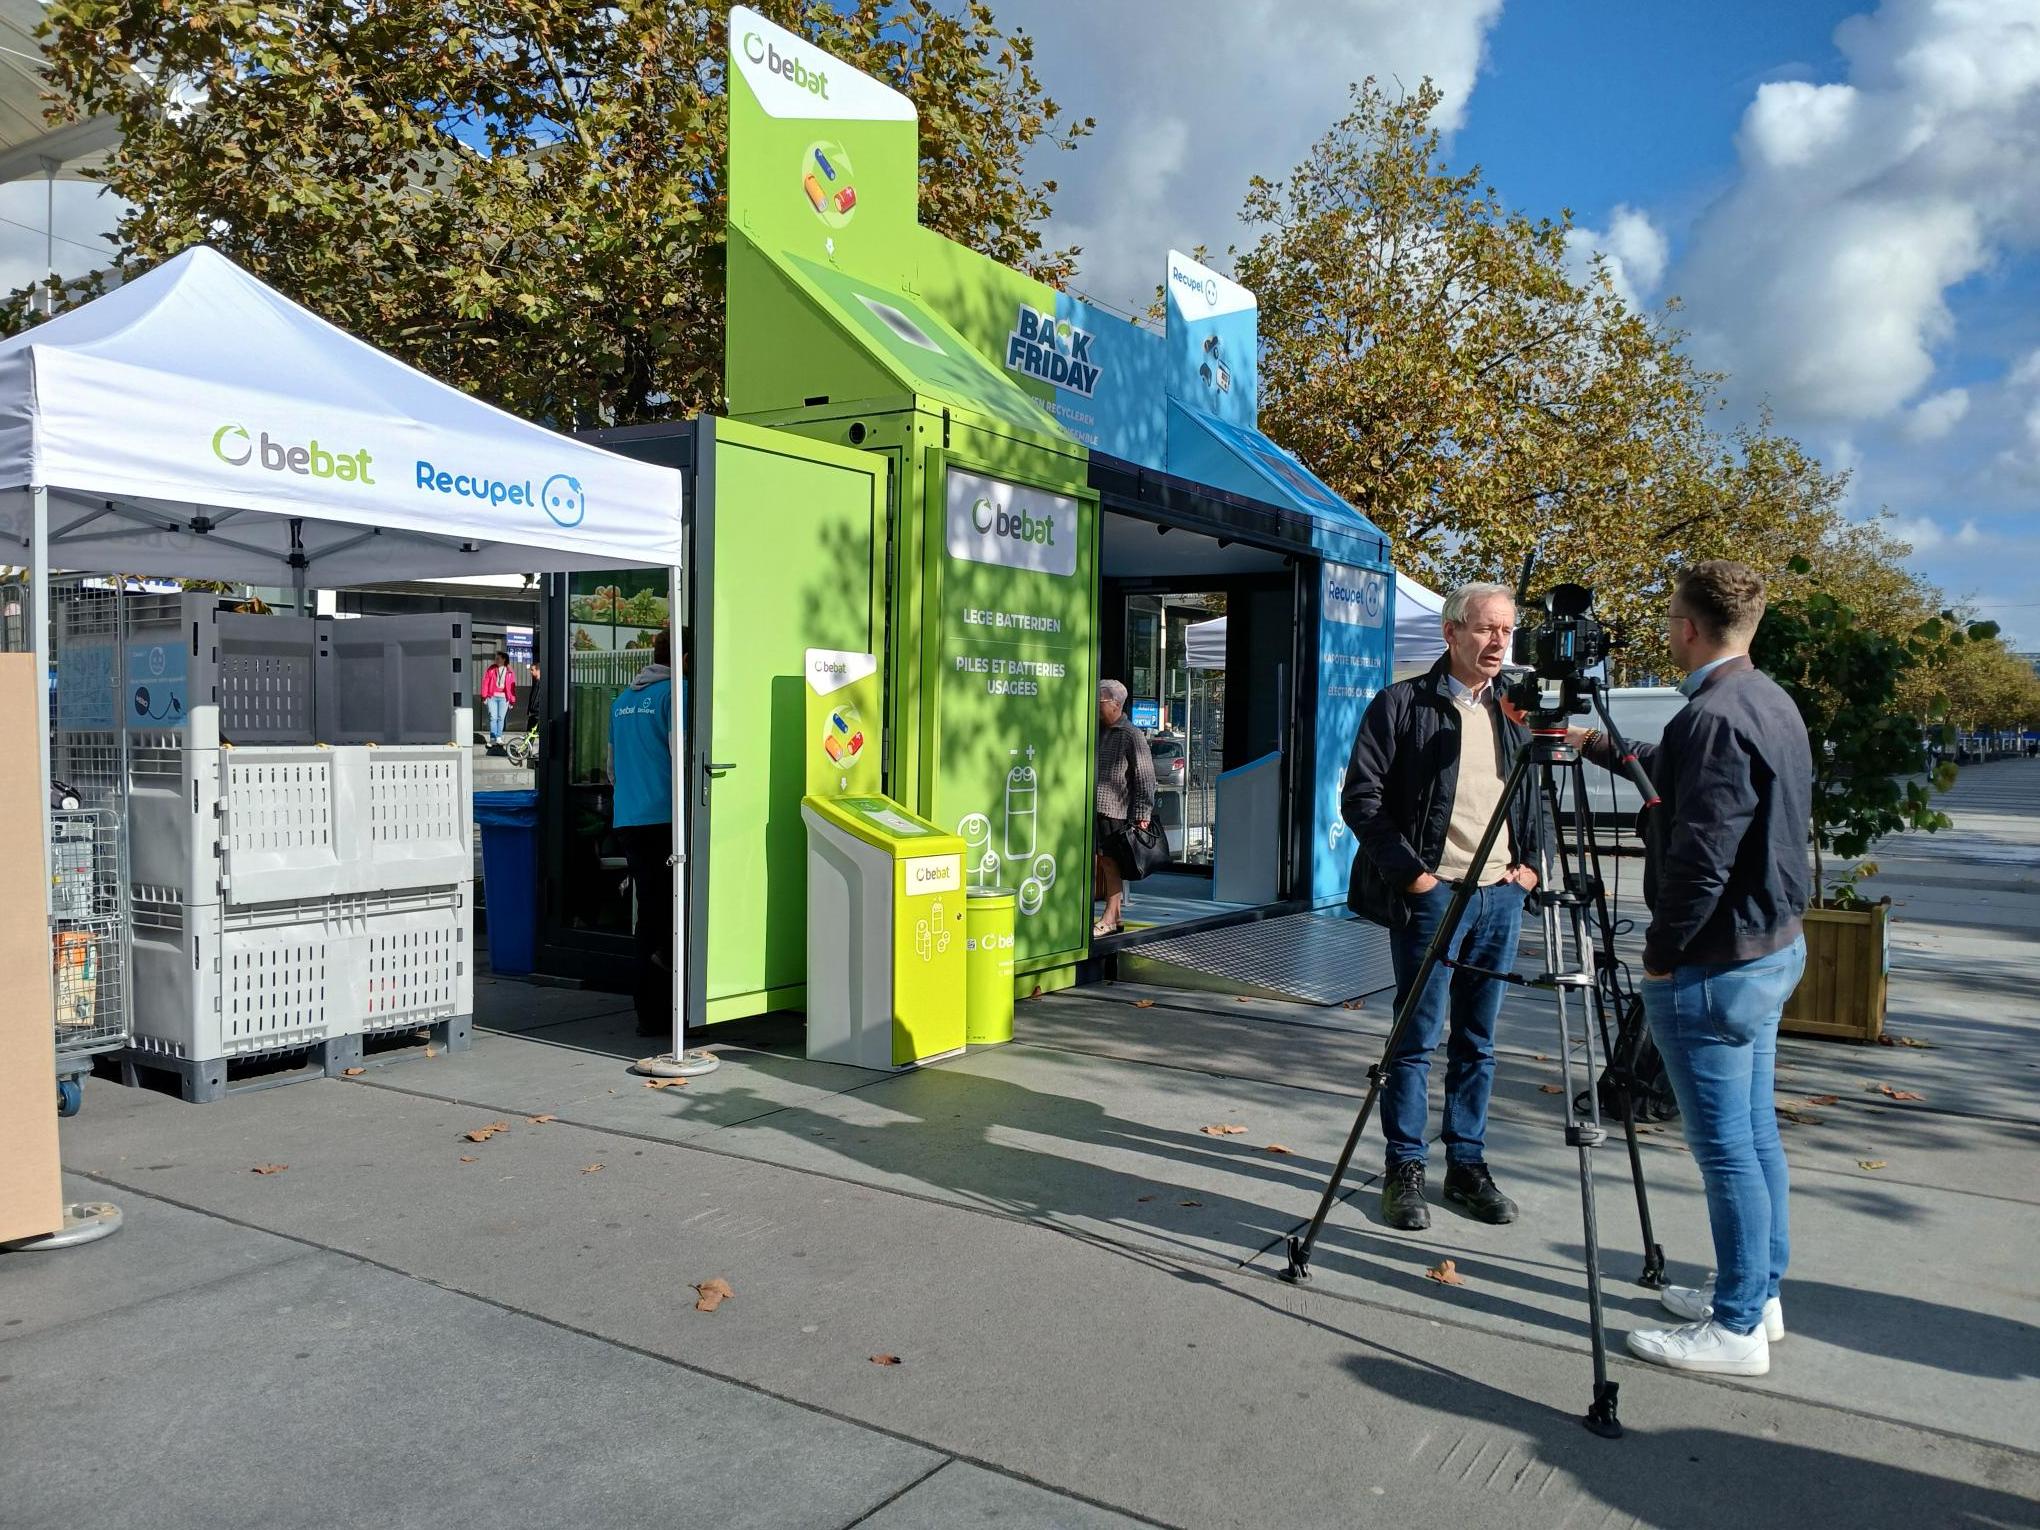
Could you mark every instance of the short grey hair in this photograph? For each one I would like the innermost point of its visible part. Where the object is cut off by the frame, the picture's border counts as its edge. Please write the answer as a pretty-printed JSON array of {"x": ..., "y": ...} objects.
[
  {"x": 1112, "y": 691},
  {"x": 1467, "y": 596}
]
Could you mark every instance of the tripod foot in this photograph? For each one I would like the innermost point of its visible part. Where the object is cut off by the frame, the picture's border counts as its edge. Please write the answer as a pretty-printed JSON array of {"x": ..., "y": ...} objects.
[
  {"x": 1653, "y": 1275},
  {"x": 1299, "y": 1262},
  {"x": 1600, "y": 1418}
]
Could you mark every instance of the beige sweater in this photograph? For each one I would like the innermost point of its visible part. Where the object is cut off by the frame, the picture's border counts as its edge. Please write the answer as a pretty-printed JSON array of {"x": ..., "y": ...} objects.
[{"x": 1475, "y": 799}]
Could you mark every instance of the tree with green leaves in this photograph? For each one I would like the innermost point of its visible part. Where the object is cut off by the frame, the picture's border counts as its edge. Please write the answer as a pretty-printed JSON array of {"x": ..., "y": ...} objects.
[
  {"x": 524, "y": 198},
  {"x": 1426, "y": 350},
  {"x": 1844, "y": 676}
]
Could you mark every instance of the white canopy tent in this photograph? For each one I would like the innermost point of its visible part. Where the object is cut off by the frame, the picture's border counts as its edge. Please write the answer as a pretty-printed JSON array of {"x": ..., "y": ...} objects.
[
  {"x": 1204, "y": 644},
  {"x": 1419, "y": 640},
  {"x": 196, "y": 423},
  {"x": 1419, "y": 619}
]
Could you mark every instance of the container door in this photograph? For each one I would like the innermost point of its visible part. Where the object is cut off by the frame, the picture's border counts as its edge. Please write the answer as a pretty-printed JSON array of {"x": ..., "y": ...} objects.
[{"x": 788, "y": 534}]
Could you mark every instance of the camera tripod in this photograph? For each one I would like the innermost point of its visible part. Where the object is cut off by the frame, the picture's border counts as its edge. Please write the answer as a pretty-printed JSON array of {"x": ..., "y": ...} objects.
[{"x": 1566, "y": 889}]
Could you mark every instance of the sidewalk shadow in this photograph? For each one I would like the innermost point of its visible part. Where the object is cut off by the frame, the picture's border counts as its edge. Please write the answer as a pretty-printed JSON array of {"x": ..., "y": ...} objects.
[{"x": 1693, "y": 1478}]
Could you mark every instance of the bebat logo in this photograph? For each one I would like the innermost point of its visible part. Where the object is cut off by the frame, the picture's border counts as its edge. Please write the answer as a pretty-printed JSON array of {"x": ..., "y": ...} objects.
[
  {"x": 234, "y": 446},
  {"x": 759, "y": 51}
]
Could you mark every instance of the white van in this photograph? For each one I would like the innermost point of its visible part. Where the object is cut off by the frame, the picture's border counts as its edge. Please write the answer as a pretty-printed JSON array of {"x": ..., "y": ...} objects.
[{"x": 1640, "y": 714}]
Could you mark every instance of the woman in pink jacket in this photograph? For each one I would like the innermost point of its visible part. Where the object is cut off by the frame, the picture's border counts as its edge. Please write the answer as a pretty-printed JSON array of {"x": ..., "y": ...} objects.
[{"x": 499, "y": 695}]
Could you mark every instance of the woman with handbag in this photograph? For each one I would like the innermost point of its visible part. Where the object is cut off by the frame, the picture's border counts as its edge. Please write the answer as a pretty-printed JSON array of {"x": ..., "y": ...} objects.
[{"x": 1125, "y": 799}]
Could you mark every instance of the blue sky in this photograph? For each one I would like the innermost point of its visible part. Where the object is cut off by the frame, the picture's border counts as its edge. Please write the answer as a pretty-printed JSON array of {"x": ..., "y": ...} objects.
[{"x": 1845, "y": 197}]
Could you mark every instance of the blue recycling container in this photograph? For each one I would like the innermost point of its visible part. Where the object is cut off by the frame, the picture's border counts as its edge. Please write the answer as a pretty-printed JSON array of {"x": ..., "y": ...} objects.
[{"x": 509, "y": 822}]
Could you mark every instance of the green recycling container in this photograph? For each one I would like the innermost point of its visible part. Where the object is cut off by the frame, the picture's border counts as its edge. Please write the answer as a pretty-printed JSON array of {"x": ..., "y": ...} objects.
[{"x": 988, "y": 966}]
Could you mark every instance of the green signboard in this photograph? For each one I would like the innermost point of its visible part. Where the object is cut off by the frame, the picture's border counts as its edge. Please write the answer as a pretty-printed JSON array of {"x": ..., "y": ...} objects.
[{"x": 1013, "y": 709}]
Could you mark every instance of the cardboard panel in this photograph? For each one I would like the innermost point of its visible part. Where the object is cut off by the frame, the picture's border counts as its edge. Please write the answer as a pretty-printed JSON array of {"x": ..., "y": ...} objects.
[{"x": 31, "y": 1192}]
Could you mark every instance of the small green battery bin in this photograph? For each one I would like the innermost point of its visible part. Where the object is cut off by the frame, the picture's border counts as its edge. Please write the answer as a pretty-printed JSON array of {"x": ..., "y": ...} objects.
[{"x": 988, "y": 966}]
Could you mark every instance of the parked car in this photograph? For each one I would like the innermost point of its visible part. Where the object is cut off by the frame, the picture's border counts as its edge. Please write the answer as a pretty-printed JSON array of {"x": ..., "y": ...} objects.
[{"x": 1171, "y": 774}]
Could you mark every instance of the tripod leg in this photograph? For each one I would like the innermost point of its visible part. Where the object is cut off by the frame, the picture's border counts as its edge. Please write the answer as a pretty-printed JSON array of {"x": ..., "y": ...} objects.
[
  {"x": 1622, "y": 1051},
  {"x": 1584, "y": 1135},
  {"x": 1300, "y": 1248}
]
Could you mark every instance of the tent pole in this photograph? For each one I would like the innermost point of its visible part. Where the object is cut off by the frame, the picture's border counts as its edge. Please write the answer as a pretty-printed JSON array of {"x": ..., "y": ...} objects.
[
  {"x": 679, "y": 1062},
  {"x": 39, "y": 595}
]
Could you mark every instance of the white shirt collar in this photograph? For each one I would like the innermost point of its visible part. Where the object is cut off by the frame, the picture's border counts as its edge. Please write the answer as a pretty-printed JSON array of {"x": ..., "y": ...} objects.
[{"x": 1468, "y": 695}]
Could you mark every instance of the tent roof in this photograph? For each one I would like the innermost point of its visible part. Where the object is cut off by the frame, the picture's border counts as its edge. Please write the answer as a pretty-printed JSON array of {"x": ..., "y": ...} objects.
[
  {"x": 1241, "y": 458},
  {"x": 196, "y": 422}
]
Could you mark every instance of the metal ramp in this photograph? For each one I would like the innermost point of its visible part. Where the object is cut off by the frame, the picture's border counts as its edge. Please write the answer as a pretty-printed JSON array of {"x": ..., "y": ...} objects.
[{"x": 1302, "y": 958}]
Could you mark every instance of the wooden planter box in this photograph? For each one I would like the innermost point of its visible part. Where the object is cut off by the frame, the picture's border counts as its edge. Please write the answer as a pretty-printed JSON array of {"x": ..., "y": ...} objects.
[{"x": 1842, "y": 993}]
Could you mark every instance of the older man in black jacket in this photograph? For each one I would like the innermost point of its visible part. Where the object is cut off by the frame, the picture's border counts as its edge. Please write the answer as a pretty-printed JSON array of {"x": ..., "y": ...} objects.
[
  {"x": 1726, "y": 879},
  {"x": 1424, "y": 781}
]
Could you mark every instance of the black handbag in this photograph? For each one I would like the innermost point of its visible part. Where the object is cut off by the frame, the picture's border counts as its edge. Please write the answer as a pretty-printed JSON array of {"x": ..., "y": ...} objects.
[{"x": 1140, "y": 852}]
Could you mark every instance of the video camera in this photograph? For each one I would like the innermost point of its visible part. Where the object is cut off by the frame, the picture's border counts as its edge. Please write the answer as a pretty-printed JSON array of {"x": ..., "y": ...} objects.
[{"x": 1553, "y": 657}]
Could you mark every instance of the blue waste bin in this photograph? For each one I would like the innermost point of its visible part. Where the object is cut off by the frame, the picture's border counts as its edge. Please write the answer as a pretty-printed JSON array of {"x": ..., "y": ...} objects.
[{"x": 509, "y": 823}]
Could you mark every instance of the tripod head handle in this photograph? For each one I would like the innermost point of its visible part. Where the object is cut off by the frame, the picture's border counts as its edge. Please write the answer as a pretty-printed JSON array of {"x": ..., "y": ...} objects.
[{"x": 1625, "y": 755}]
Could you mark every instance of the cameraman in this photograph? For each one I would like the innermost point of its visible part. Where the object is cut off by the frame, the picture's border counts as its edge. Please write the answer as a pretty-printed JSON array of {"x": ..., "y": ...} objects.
[
  {"x": 1725, "y": 875},
  {"x": 1426, "y": 776}
]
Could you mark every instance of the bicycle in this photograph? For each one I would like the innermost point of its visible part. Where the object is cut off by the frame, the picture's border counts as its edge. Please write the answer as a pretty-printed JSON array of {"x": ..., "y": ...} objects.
[{"x": 523, "y": 750}]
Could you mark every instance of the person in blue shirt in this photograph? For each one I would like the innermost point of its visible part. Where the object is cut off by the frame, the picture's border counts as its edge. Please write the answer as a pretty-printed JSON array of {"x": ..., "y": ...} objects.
[{"x": 641, "y": 770}]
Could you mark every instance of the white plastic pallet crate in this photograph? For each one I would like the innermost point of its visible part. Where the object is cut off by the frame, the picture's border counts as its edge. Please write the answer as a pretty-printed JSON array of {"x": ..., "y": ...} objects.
[
  {"x": 212, "y": 982},
  {"x": 265, "y": 825}
]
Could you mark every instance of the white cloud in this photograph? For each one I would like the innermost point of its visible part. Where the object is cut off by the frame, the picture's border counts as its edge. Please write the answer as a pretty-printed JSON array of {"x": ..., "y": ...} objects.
[
  {"x": 1634, "y": 249},
  {"x": 1251, "y": 84},
  {"x": 1821, "y": 278},
  {"x": 1937, "y": 414},
  {"x": 1926, "y": 534}
]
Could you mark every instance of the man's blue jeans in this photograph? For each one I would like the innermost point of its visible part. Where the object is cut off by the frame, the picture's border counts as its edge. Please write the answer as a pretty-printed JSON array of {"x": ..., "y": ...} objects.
[
  {"x": 1486, "y": 937},
  {"x": 1716, "y": 1026}
]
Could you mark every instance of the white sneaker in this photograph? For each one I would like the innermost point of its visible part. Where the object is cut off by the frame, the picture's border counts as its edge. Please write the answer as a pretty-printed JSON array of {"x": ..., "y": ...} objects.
[
  {"x": 1704, "y": 1346},
  {"x": 1696, "y": 1305}
]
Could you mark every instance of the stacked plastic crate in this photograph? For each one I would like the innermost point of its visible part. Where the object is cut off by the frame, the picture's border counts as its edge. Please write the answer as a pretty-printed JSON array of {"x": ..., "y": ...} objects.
[{"x": 299, "y": 800}]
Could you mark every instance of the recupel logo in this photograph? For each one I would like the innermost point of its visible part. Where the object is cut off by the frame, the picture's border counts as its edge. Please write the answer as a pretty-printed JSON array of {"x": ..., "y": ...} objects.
[
  {"x": 785, "y": 65},
  {"x": 563, "y": 499}
]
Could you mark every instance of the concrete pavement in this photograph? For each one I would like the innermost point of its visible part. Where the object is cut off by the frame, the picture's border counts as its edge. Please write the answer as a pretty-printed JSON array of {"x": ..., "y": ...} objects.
[{"x": 404, "y": 1327}]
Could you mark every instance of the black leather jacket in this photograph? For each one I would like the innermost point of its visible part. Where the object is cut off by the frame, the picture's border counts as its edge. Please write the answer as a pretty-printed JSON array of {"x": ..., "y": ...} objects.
[{"x": 1400, "y": 784}]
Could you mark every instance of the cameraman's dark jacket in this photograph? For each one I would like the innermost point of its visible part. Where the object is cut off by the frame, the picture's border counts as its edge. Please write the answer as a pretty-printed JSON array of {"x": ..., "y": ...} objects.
[
  {"x": 1400, "y": 784},
  {"x": 1725, "y": 869}
]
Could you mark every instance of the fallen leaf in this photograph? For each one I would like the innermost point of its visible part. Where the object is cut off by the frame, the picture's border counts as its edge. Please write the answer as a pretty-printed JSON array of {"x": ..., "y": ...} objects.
[
  {"x": 1354, "y": 1004},
  {"x": 1914, "y": 1041},
  {"x": 1542, "y": 1058},
  {"x": 464, "y": 1158},
  {"x": 1034, "y": 995},
  {"x": 1222, "y": 1131},
  {"x": 712, "y": 1293},
  {"x": 1897, "y": 1094},
  {"x": 1886, "y": 1041},
  {"x": 352, "y": 1072},
  {"x": 269, "y": 1168},
  {"x": 1869, "y": 1163},
  {"x": 664, "y": 1083},
  {"x": 1446, "y": 1273},
  {"x": 1189, "y": 1203},
  {"x": 1276, "y": 1147},
  {"x": 432, "y": 1051},
  {"x": 540, "y": 1120},
  {"x": 1143, "y": 1197},
  {"x": 1242, "y": 999},
  {"x": 593, "y": 1168},
  {"x": 484, "y": 1133},
  {"x": 1143, "y": 1003},
  {"x": 1550, "y": 1089},
  {"x": 886, "y": 1360},
  {"x": 1803, "y": 1118},
  {"x": 1823, "y": 1099}
]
